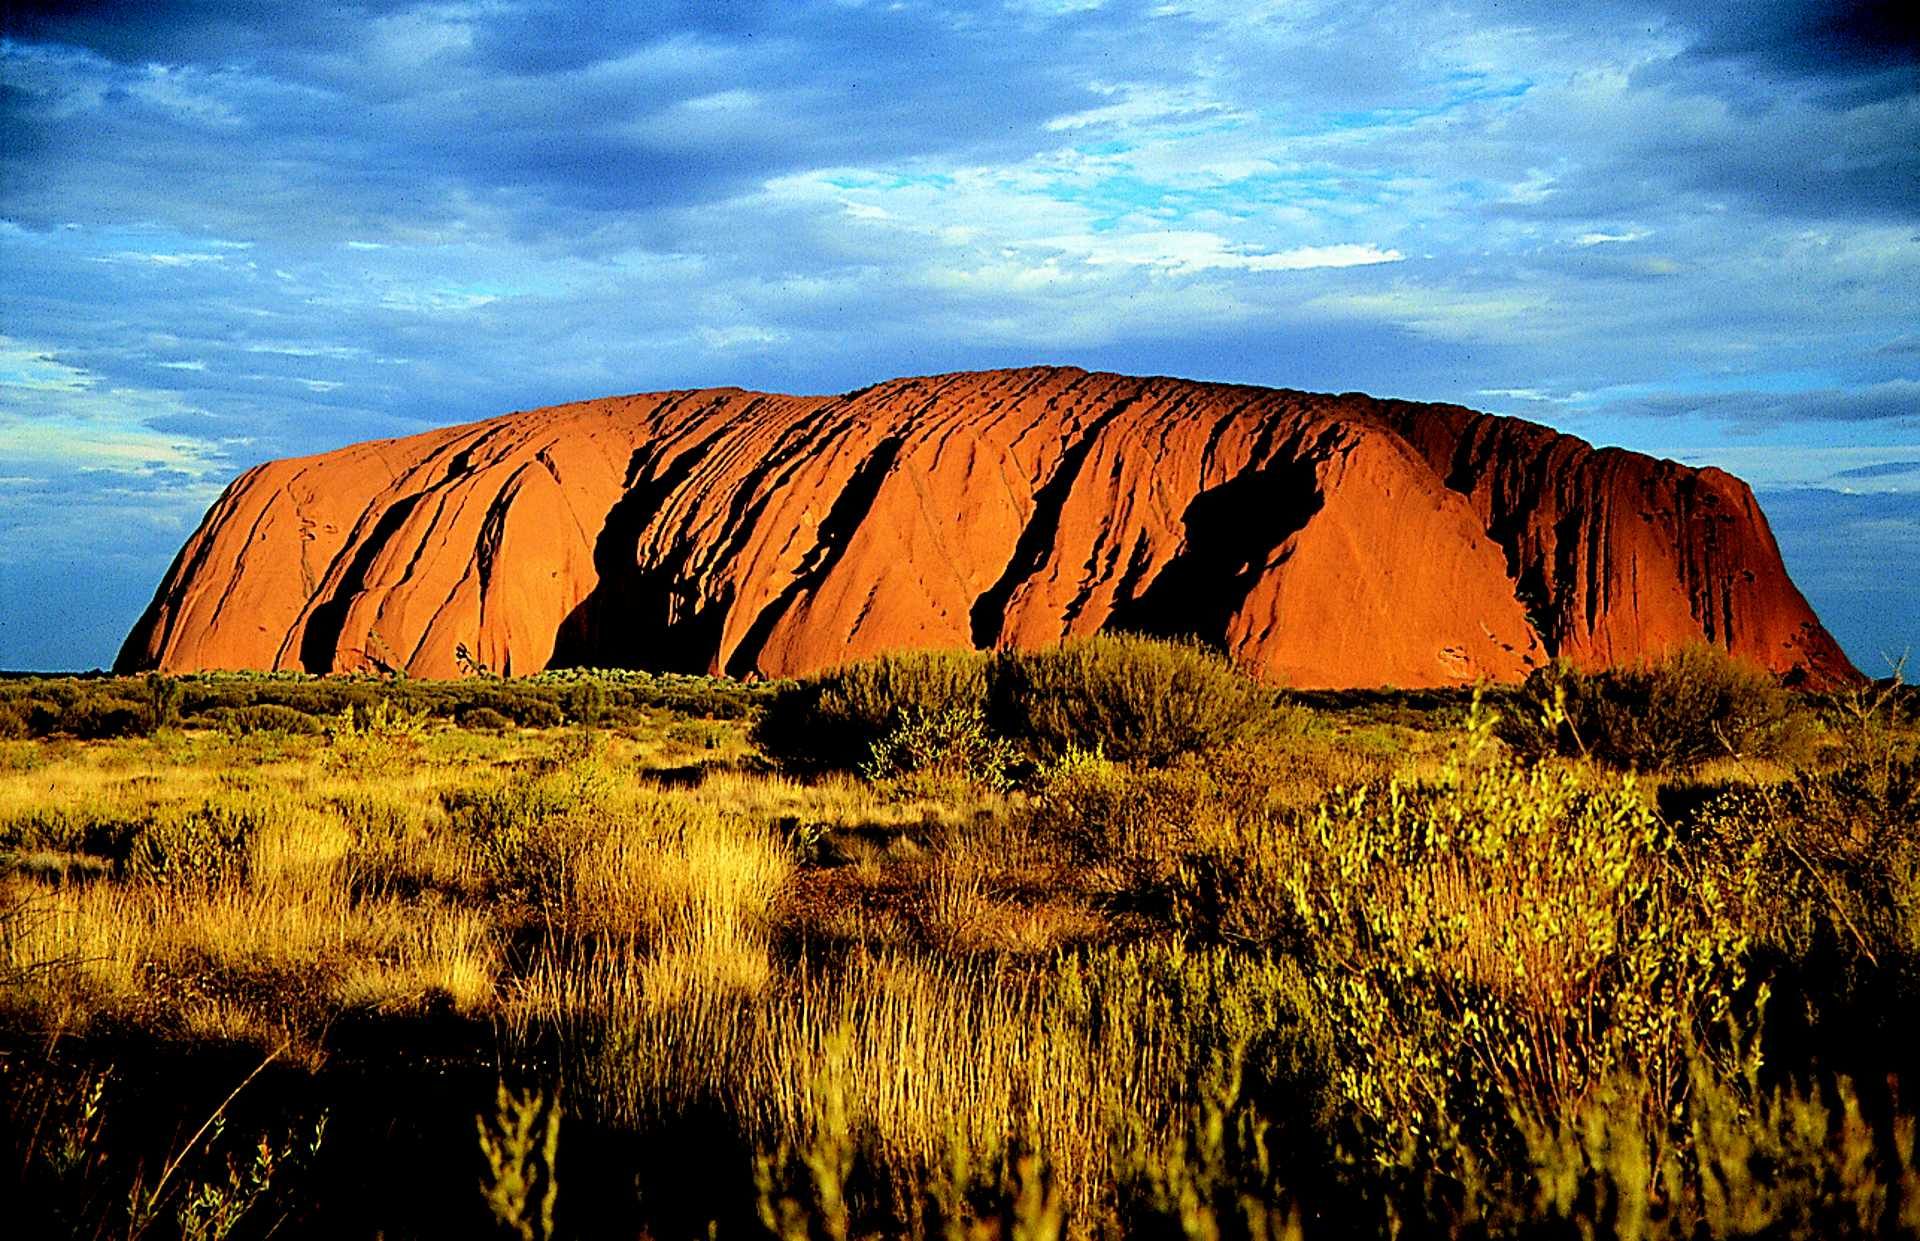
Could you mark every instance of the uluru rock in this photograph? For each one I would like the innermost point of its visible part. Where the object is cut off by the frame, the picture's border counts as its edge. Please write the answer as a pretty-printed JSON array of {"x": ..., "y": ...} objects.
[{"x": 1321, "y": 540}]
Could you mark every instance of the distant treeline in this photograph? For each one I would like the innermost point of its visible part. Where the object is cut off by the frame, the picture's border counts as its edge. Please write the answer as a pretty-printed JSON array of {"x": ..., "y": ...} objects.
[{"x": 94, "y": 707}]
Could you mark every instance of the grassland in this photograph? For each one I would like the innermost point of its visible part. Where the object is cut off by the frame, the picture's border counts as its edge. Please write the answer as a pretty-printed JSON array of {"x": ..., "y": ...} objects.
[{"x": 1098, "y": 942}]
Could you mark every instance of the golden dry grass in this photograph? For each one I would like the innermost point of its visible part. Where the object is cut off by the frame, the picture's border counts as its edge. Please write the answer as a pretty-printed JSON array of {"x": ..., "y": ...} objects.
[{"x": 920, "y": 976}]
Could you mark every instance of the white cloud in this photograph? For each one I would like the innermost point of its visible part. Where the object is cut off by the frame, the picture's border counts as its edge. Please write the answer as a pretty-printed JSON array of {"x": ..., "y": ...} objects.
[
  {"x": 741, "y": 336},
  {"x": 62, "y": 416},
  {"x": 298, "y": 349},
  {"x": 723, "y": 101},
  {"x": 436, "y": 301},
  {"x": 1304, "y": 257},
  {"x": 27, "y": 369},
  {"x": 186, "y": 259},
  {"x": 1190, "y": 250},
  {"x": 1147, "y": 107}
]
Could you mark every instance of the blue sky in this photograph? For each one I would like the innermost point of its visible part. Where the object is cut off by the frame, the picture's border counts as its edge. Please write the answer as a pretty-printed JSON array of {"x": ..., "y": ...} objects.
[{"x": 234, "y": 231}]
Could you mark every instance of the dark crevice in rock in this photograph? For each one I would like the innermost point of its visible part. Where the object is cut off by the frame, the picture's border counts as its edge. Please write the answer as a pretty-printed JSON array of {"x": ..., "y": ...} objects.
[
  {"x": 850, "y": 508},
  {"x": 320, "y": 643},
  {"x": 1035, "y": 544}
]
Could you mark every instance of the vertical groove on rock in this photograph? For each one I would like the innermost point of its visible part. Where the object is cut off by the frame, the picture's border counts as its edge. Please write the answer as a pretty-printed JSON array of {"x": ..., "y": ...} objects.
[
  {"x": 988, "y": 616},
  {"x": 627, "y": 615},
  {"x": 319, "y": 644},
  {"x": 1231, "y": 533},
  {"x": 849, "y": 509}
]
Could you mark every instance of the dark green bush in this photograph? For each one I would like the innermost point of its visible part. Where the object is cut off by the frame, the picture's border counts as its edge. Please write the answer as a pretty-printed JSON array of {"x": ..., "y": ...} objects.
[
  {"x": 1134, "y": 699},
  {"x": 87, "y": 707},
  {"x": 163, "y": 700},
  {"x": 587, "y": 702},
  {"x": 482, "y": 719},
  {"x": 537, "y": 713},
  {"x": 65, "y": 828},
  {"x": 698, "y": 734},
  {"x": 99, "y": 706},
  {"x": 833, "y": 720},
  {"x": 269, "y": 717},
  {"x": 1670, "y": 714},
  {"x": 97, "y": 718}
]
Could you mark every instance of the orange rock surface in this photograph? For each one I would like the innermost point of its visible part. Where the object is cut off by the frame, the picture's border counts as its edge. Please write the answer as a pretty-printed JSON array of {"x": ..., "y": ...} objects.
[{"x": 1322, "y": 540}]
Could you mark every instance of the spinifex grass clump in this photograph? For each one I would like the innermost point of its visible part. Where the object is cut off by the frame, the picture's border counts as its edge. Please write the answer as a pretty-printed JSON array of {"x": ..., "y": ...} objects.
[{"x": 919, "y": 1063}]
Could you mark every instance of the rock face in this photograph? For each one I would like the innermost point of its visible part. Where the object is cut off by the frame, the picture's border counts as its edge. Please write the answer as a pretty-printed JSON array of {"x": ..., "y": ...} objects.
[{"x": 1322, "y": 540}]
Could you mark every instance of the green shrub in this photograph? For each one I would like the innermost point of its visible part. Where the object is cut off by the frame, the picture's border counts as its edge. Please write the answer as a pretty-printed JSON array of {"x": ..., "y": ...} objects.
[
  {"x": 67, "y": 828},
  {"x": 587, "y": 702},
  {"x": 1694, "y": 704},
  {"x": 94, "y": 718},
  {"x": 1490, "y": 946},
  {"x": 537, "y": 713},
  {"x": 519, "y": 826},
  {"x": 833, "y": 720},
  {"x": 163, "y": 700},
  {"x": 1135, "y": 699},
  {"x": 1140, "y": 822},
  {"x": 700, "y": 734},
  {"x": 25, "y": 716},
  {"x": 206, "y": 846},
  {"x": 482, "y": 719},
  {"x": 1827, "y": 862},
  {"x": 268, "y": 717},
  {"x": 370, "y": 739},
  {"x": 928, "y": 750}
]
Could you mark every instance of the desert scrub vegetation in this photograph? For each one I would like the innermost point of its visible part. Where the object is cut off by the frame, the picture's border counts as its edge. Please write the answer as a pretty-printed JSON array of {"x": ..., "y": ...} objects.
[
  {"x": 97, "y": 706},
  {"x": 1134, "y": 699},
  {"x": 1161, "y": 953},
  {"x": 833, "y": 720},
  {"x": 1669, "y": 714}
]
